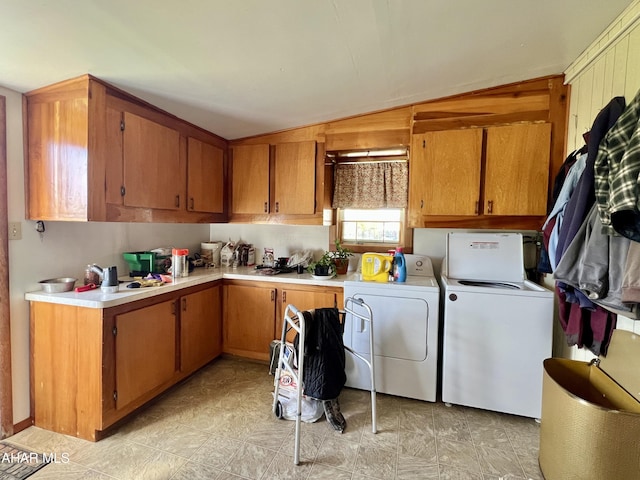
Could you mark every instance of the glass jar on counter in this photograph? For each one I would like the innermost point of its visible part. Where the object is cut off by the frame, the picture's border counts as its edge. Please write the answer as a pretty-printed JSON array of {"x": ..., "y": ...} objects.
[{"x": 90, "y": 276}]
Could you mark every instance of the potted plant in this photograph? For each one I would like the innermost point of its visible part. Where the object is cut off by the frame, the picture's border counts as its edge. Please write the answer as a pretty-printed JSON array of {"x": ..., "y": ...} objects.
[
  {"x": 324, "y": 267},
  {"x": 340, "y": 258}
]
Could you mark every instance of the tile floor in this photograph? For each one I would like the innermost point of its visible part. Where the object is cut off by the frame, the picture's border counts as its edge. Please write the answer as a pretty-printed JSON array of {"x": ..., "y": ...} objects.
[{"x": 218, "y": 425}]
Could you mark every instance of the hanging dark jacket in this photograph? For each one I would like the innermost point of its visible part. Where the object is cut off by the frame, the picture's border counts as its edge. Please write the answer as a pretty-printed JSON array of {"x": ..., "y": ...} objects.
[{"x": 323, "y": 372}]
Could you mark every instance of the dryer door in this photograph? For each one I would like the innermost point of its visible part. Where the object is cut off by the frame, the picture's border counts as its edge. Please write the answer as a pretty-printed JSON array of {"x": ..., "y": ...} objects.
[{"x": 399, "y": 327}]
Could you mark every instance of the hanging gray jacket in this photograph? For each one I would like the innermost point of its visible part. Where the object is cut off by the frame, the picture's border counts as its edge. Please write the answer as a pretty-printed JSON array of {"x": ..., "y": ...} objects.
[{"x": 594, "y": 263}]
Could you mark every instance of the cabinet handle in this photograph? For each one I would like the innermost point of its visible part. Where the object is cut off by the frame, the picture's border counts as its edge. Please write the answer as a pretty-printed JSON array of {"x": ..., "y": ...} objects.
[
  {"x": 284, "y": 297},
  {"x": 177, "y": 200},
  {"x": 184, "y": 304},
  {"x": 192, "y": 204},
  {"x": 265, "y": 207},
  {"x": 277, "y": 206},
  {"x": 490, "y": 204},
  {"x": 421, "y": 204},
  {"x": 273, "y": 295},
  {"x": 477, "y": 207}
]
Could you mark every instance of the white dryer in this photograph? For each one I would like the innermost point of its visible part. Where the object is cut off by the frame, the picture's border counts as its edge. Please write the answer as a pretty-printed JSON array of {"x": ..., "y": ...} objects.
[
  {"x": 498, "y": 327},
  {"x": 405, "y": 328}
]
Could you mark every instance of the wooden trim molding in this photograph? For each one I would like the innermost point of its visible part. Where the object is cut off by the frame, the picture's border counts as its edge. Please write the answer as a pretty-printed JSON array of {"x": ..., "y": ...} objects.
[
  {"x": 22, "y": 425},
  {"x": 6, "y": 396}
]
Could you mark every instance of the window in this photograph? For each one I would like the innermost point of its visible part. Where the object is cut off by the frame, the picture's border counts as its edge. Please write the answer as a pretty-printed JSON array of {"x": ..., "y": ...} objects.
[
  {"x": 370, "y": 198},
  {"x": 371, "y": 226}
]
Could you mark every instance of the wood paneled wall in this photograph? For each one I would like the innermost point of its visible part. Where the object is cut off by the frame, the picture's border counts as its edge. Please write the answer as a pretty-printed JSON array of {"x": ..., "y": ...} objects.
[{"x": 609, "y": 67}]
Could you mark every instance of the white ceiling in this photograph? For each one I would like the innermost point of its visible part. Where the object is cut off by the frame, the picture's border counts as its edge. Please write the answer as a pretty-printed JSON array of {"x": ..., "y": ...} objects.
[{"x": 246, "y": 67}]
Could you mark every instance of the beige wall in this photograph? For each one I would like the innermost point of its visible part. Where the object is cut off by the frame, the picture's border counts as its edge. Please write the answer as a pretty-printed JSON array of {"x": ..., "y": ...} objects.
[{"x": 609, "y": 67}]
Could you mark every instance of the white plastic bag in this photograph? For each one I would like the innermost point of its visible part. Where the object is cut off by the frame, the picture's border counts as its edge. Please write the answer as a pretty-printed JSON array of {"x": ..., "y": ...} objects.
[
  {"x": 312, "y": 409},
  {"x": 226, "y": 254}
]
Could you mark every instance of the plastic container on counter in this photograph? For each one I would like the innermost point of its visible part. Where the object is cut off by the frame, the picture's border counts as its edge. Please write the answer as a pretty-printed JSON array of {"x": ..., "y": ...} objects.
[{"x": 179, "y": 262}]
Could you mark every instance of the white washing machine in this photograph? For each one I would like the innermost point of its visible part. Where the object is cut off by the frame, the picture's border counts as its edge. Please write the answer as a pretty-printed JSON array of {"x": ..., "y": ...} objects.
[
  {"x": 405, "y": 330},
  {"x": 498, "y": 327}
]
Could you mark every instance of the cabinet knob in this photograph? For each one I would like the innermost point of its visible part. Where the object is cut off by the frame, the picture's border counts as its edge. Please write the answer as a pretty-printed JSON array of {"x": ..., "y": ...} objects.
[{"x": 490, "y": 206}]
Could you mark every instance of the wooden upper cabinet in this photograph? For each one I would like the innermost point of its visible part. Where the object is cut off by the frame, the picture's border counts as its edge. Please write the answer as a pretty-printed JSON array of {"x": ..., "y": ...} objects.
[
  {"x": 250, "y": 179},
  {"x": 295, "y": 179},
  {"x": 152, "y": 170},
  {"x": 205, "y": 177},
  {"x": 278, "y": 180},
  {"x": 517, "y": 169},
  {"x": 57, "y": 166},
  {"x": 470, "y": 177},
  {"x": 445, "y": 173},
  {"x": 96, "y": 153}
]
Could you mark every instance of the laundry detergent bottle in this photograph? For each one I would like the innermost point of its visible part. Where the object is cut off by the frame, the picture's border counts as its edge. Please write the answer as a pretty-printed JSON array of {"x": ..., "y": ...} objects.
[{"x": 399, "y": 266}]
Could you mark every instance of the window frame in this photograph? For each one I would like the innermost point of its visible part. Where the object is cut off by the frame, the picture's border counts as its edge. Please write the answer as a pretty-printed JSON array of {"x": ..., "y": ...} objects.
[{"x": 406, "y": 233}]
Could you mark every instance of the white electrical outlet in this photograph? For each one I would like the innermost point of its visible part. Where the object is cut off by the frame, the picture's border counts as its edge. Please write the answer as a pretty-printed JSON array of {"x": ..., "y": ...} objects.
[{"x": 15, "y": 230}]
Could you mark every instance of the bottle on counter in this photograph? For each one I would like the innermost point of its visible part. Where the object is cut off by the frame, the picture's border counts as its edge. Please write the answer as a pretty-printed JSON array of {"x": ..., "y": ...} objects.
[
  {"x": 392, "y": 267},
  {"x": 399, "y": 266}
]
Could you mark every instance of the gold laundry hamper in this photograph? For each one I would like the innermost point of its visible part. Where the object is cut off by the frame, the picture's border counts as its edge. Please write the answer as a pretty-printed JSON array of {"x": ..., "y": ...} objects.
[{"x": 590, "y": 424}]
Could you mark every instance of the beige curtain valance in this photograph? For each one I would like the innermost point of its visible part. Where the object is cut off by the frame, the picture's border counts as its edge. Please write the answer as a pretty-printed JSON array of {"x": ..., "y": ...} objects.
[{"x": 371, "y": 185}]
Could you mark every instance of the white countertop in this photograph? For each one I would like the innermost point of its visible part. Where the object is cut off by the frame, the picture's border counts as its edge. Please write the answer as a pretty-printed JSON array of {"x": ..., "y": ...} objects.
[{"x": 97, "y": 299}]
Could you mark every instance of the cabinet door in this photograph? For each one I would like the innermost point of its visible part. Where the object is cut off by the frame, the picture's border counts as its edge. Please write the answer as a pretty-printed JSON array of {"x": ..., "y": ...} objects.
[
  {"x": 249, "y": 320},
  {"x": 444, "y": 174},
  {"x": 200, "y": 328},
  {"x": 302, "y": 300},
  {"x": 517, "y": 169},
  {"x": 205, "y": 177},
  {"x": 250, "y": 179},
  {"x": 153, "y": 177},
  {"x": 145, "y": 351},
  {"x": 295, "y": 179},
  {"x": 58, "y": 156},
  {"x": 114, "y": 166}
]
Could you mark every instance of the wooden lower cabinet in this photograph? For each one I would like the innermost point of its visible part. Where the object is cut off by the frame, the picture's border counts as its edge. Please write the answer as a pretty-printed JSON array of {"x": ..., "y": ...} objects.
[
  {"x": 253, "y": 314},
  {"x": 249, "y": 313},
  {"x": 145, "y": 351},
  {"x": 304, "y": 300},
  {"x": 200, "y": 328},
  {"x": 91, "y": 367}
]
